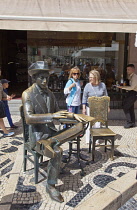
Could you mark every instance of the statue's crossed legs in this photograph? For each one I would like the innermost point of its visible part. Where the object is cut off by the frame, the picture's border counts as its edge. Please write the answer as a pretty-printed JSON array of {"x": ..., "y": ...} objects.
[{"x": 50, "y": 148}]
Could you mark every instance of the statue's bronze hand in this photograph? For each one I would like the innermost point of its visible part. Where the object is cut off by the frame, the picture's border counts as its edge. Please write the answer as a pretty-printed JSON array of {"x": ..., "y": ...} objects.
[
  {"x": 60, "y": 114},
  {"x": 80, "y": 118}
]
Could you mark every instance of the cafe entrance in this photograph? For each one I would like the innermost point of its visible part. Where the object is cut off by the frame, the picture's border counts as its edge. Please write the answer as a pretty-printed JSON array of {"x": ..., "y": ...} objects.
[{"x": 104, "y": 52}]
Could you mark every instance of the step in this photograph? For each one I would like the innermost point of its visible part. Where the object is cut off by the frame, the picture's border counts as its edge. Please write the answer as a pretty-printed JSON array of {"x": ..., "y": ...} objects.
[{"x": 114, "y": 195}]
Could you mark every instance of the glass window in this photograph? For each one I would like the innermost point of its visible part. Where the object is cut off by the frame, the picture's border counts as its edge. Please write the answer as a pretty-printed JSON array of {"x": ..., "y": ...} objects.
[{"x": 63, "y": 50}]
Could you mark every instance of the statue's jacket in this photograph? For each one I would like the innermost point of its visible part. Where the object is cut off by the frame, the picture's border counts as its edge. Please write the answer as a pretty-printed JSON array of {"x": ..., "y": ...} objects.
[{"x": 38, "y": 108}]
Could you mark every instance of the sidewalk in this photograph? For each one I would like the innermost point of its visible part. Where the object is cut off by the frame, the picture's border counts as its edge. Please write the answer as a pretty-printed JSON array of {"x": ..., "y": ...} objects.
[{"x": 18, "y": 191}]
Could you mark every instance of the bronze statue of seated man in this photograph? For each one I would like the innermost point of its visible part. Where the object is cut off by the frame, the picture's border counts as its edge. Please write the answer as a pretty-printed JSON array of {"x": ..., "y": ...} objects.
[{"x": 40, "y": 109}]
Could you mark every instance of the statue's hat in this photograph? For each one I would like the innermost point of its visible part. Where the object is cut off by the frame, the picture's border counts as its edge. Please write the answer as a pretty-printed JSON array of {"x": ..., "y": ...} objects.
[{"x": 40, "y": 66}]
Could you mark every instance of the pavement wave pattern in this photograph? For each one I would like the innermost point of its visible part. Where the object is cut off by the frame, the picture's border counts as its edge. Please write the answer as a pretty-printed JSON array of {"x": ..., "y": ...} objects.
[{"x": 74, "y": 188}]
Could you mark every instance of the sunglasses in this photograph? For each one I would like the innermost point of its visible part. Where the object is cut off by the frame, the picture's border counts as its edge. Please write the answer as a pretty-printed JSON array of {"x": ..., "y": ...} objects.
[
  {"x": 91, "y": 77},
  {"x": 75, "y": 73}
]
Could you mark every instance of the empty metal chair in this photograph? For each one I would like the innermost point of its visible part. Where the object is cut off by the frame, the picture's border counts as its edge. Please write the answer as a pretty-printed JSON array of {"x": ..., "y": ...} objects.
[
  {"x": 27, "y": 148},
  {"x": 99, "y": 110}
]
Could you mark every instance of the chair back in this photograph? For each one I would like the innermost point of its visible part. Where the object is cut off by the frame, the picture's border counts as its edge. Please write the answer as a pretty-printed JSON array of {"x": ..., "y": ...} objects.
[
  {"x": 99, "y": 109},
  {"x": 24, "y": 125}
]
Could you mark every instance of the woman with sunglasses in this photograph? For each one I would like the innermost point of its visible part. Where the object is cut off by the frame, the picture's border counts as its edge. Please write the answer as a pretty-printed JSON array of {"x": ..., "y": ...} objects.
[
  {"x": 73, "y": 91},
  {"x": 94, "y": 88}
]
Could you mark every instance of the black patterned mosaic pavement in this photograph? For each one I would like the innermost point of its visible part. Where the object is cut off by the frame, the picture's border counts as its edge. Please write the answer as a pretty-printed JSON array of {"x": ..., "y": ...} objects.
[
  {"x": 74, "y": 187},
  {"x": 8, "y": 151},
  {"x": 35, "y": 206},
  {"x": 79, "y": 196}
]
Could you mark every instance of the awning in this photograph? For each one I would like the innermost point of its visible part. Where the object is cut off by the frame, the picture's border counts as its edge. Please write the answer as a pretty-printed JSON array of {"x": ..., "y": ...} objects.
[{"x": 69, "y": 15}]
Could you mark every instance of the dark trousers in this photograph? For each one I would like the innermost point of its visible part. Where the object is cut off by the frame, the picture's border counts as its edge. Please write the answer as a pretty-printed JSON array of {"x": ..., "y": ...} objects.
[
  {"x": 8, "y": 115},
  {"x": 128, "y": 106}
]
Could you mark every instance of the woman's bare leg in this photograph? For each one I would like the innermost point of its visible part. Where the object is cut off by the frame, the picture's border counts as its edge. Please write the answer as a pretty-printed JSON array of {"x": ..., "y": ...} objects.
[{"x": 2, "y": 126}]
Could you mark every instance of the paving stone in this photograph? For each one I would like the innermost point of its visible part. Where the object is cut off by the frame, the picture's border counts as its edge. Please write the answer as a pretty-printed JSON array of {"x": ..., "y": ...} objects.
[
  {"x": 4, "y": 163},
  {"x": 14, "y": 142},
  {"x": 7, "y": 169}
]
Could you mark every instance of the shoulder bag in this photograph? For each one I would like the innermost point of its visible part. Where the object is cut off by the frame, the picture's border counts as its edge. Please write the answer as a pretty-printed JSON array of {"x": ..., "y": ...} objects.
[{"x": 2, "y": 110}]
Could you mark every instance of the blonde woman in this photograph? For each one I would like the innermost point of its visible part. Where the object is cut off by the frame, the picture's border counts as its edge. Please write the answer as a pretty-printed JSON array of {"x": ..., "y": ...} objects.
[
  {"x": 73, "y": 91},
  {"x": 94, "y": 88}
]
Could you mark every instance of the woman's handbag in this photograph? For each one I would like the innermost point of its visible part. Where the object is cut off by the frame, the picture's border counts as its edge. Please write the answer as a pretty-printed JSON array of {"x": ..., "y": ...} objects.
[
  {"x": 2, "y": 110},
  {"x": 66, "y": 95}
]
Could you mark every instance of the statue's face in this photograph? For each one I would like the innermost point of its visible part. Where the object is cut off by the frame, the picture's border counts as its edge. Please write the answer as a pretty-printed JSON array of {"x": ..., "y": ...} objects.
[{"x": 42, "y": 80}]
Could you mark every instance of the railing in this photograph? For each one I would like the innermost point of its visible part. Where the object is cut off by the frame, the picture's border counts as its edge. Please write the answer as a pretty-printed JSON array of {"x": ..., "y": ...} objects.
[{"x": 116, "y": 99}]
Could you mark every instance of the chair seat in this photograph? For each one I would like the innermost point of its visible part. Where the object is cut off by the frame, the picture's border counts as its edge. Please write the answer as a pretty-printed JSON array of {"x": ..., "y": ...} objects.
[{"x": 102, "y": 132}]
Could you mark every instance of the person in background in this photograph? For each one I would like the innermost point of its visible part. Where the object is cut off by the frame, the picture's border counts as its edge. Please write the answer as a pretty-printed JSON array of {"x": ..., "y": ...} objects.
[
  {"x": 131, "y": 96},
  {"x": 2, "y": 126},
  {"x": 110, "y": 76},
  {"x": 73, "y": 91},
  {"x": 11, "y": 70},
  {"x": 94, "y": 88},
  {"x": 102, "y": 73},
  {"x": 86, "y": 69},
  {"x": 5, "y": 84}
]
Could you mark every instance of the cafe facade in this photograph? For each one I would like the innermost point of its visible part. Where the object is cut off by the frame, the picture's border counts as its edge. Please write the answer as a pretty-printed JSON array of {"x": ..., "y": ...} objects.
[{"x": 89, "y": 34}]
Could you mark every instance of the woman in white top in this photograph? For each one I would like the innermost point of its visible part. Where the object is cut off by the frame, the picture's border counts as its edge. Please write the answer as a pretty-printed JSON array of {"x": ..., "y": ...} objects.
[
  {"x": 73, "y": 91},
  {"x": 94, "y": 88}
]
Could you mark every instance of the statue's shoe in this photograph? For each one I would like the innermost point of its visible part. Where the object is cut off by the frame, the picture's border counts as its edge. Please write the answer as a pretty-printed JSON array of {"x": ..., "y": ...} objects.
[{"x": 54, "y": 193}]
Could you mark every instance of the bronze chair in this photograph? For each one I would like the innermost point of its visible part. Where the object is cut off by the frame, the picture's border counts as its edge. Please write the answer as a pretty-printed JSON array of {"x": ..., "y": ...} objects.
[
  {"x": 77, "y": 150},
  {"x": 99, "y": 110},
  {"x": 27, "y": 148},
  {"x": 76, "y": 141}
]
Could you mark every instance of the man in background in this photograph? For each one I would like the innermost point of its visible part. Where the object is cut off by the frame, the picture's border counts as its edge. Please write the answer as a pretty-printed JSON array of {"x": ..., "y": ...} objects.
[{"x": 131, "y": 96}]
